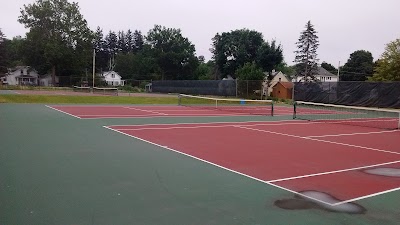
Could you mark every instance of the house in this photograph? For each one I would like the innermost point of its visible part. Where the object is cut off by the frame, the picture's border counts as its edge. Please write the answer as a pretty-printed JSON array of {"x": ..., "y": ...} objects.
[
  {"x": 282, "y": 90},
  {"x": 112, "y": 78},
  {"x": 47, "y": 80},
  {"x": 323, "y": 76},
  {"x": 277, "y": 77},
  {"x": 21, "y": 75}
]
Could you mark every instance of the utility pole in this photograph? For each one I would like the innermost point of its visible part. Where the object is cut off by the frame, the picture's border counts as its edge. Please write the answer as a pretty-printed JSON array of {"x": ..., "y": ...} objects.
[{"x": 94, "y": 64}]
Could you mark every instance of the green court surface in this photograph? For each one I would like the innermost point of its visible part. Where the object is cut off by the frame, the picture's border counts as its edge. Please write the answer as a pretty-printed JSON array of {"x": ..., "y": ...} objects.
[{"x": 57, "y": 169}]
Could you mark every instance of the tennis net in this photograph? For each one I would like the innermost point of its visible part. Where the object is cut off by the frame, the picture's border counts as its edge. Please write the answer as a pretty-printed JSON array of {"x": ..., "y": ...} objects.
[
  {"x": 105, "y": 91},
  {"x": 239, "y": 106},
  {"x": 81, "y": 89},
  {"x": 349, "y": 115}
]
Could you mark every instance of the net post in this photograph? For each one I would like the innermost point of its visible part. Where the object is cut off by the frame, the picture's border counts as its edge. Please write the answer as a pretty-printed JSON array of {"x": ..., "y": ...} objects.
[
  {"x": 398, "y": 125},
  {"x": 294, "y": 109},
  {"x": 179, "y": 99},
  {"x": 272, "y": 108}
]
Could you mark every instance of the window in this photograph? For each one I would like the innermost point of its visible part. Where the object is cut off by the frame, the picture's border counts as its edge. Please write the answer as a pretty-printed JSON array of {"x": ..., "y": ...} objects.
[
  {"x": 22, "y": 72},
  {"x": 112, "y": 75},
  {"x": 280, "y": 79}
]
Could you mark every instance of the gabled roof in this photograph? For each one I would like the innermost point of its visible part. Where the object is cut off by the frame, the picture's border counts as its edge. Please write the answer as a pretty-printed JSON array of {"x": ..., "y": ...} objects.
[
  {"x": 323, "y": 72},
  {"x": 107, "y": 73}
]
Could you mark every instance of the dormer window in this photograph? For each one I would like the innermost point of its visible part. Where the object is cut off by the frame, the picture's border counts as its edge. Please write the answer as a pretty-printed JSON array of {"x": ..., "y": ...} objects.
[{"x": 22, "y": 72}]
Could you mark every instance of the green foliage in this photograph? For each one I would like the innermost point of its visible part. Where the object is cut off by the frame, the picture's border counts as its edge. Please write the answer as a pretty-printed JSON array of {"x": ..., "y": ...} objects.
[
  {"x": 140, "y": 66},
  {"x": 100, "y": 47},
  {"x": 138, "y": 41},
  {"x": 269, "y": 56},
  {"x": 231, "y": 50},
  {"x": 358, "y": 67},
  {"x": 174, "y": 54},
  {"x": 388, "y": 67},
  {"x": 289, "y": 71},
  {"x": 250, "y": 71},
  {"x": 59, "y": 37},
  {"x": 306, "y": 55},
  {"x": 205, "y": 71},
  {"x": 329, "y": 67}
]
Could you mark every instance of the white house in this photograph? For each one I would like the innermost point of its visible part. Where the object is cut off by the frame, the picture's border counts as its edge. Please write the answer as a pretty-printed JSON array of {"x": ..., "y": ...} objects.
[
  {"x": 112, "y": 78},
  {"x": 47, "y": 80},
  {"x": 323, "y": 76},
  {"x": 21, "y": 75}
]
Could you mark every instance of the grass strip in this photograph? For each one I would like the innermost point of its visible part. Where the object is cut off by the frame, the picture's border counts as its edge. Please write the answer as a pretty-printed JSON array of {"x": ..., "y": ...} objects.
[{"x": 65, "y": 99}]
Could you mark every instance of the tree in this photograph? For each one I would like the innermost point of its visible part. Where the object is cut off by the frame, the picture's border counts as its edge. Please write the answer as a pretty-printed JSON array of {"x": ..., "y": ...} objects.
[
  {"x": 2, "y": 37},
  {"x": 14, "y": 54},
  {"x": 269, "y": 56},
  {"x": 231, "y": 50},
  {"x": 205, "y": 70},
  {"x": 121, "y": 43},
  {"x": 101, "y": 49},
  {"x": 175, "y": 54},
  {"x": 329, "y": 67},
  {"x": 306, "y": 55},
  {"x": 59, "y": 37},
  {"x": 138, "y": 41},
  {"x": 250, "y": 71},
  {"x": 112, "y": 48},
  {"x": 3, "y": 59},
  {"x": 358, "y": 67},
  {"x": 130, "y": 44},
  {"x": 139, "y": 66},
  {"x": 289, "y": 71},
  {"x": 388, "y": 68}
]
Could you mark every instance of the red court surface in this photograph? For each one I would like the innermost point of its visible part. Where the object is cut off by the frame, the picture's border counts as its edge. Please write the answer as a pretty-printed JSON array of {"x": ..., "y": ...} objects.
[
  {"x": 99, "y": 112},
  {"x": 284, "y": 155}
]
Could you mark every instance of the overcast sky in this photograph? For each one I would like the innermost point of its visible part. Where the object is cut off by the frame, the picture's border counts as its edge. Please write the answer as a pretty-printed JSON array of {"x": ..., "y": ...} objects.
[{"x": 343, "y": 26}]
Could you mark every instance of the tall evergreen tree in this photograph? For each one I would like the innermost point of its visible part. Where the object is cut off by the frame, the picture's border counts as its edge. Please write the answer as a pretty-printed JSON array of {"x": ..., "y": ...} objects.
[
  {"x": 122, "y": 42},
  {"x": 306, "y": 55},
  {"x": 138, "y": 40},
  {"x": 101, "y": 49},
  {"x": 1, "y": 36},
  {"x": 130, "y": 44},
  {"x": 112, "y": 48}
]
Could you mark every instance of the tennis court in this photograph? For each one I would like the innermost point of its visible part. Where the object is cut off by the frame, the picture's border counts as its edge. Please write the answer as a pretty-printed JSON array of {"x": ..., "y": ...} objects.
[{"x": 163, "y": 164}]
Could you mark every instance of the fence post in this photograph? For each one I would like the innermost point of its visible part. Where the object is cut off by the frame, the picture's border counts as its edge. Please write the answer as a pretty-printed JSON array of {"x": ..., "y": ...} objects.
[
  {"x": 236, "y": 84},
  {"x": 247, "y": 89}
]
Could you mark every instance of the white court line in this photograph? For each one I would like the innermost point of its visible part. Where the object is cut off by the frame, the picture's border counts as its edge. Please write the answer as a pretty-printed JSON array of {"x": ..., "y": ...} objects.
[
  {"x": 332, "y": 172},
  {"x": 63, "y": 112},
  {"x": 312, "y": 139},
  {"x": 367, "y": 196},
  {"x": 351, "y": 134},
  {"x": 202, "y": 126},
  {"x": 143, "y": 110},
  {"x": 245, "y": 122},
  {"x": 157, "y": 116},
  {"x": 219, "y": 166}
]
